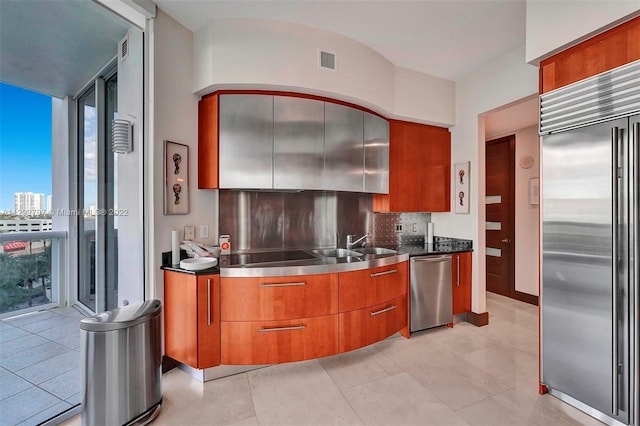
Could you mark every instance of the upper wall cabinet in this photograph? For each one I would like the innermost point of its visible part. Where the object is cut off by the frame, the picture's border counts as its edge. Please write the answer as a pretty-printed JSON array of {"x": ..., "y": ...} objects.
[
  {"x": 419, "y": 169},
  {"x": 255, "y": 141},
  {"x": 376, "y": 154},
  {"x": 298, "y": 143},
  {"x": 343, "y": 148},
  {"x": 246, "y": 141}
]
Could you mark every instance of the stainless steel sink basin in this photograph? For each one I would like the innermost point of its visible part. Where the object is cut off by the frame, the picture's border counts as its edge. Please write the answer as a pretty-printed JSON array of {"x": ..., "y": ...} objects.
[
  {"x": 337, "y": 253},
  {"x": 375, "y": 250}
]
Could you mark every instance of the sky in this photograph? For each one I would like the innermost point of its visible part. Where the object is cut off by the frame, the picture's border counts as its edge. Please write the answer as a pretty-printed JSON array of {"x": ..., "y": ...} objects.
[{"x": 25, "y": 143}]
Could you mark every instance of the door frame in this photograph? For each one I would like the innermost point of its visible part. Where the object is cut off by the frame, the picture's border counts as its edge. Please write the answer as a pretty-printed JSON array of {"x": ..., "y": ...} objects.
[{"x": 511, "y": 225}]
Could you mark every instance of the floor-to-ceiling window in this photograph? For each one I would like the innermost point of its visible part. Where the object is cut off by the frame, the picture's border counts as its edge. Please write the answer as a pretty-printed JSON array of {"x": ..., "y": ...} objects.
[{"x": 97, "y": 226}]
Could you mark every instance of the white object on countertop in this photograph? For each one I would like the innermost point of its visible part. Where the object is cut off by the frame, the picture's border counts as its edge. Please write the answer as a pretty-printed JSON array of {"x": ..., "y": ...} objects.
[
  {"x": 175, "y": 247},
  {"x": 198, "y": 263},
  {"x": 429, "y": 233}
]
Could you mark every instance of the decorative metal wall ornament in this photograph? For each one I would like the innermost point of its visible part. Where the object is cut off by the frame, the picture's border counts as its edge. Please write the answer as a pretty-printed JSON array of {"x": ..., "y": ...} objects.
[{"x": 176, "y": 178}]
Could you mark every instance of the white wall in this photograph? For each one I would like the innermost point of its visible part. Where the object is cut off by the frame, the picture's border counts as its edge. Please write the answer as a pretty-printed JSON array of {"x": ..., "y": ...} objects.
[
  {"x": 501, "y": 82},
  {"x": 175, "y": 118},
  {"x": 130, "y": 176},
  {"x": 421, "y": 97},
  {"x": 262, "y": 54},
  {"x": 554, "y": 25}
]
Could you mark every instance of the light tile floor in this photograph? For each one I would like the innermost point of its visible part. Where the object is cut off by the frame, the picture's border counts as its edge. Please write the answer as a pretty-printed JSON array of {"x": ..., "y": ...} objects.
[
  {"x": 462, "y": 376},
  {"x": 39, "y": 365}
]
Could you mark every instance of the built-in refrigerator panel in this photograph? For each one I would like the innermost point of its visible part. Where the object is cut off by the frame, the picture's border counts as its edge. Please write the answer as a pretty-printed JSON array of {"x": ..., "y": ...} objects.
[{"x": 577, "y": 248}]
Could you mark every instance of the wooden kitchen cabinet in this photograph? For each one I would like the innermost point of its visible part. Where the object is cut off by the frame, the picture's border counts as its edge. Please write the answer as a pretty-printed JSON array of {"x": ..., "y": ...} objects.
[
  {"x": 461, "y": 274},
  {"x": 363, "y": 327},
  {"x": 368, "y": 287},
  {"x": 277, "y": 298},
  {"x": 604, "y": 52},
  {"x": 272, "y": 342},
  {"x": 192, "y": 318},
  {"x": 419, "y": 169},
  {"x": 208, "y": 142}
]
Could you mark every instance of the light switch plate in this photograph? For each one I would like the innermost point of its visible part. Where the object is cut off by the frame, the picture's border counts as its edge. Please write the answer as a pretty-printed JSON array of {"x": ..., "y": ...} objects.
[
  {"x": 204, "y": 231},
  {"x": 189, "y": 233}
]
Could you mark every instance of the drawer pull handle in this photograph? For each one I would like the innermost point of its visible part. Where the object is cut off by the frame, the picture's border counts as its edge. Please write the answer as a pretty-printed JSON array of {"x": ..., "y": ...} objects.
[
  {"x": 379, "y": 274},
  {"x": 282, "y": 284},
  {"x": 208, "y": 303},
  {"x": 382, "y": 311},
  {"x": 293, "y": 327}
]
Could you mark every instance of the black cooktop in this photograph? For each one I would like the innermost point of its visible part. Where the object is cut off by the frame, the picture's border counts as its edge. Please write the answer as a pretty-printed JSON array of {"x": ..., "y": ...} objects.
[{"x": 269, "y": 256}]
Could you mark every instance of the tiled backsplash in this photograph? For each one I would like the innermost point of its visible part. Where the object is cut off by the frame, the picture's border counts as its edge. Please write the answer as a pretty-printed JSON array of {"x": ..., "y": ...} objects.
[{"x": 399, "y": 228}]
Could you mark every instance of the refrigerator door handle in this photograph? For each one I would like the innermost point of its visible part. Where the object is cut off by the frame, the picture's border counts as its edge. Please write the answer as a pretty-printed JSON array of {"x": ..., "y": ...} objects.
[{"x": 614, "y": 260}]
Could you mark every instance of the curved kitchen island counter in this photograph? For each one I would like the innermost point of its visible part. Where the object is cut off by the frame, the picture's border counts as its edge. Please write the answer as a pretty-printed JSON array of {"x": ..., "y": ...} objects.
[{"x": 287, "y": 311}]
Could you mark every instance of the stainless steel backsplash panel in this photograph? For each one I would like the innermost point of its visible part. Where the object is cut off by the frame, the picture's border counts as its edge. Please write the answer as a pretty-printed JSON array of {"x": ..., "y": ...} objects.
[
  {"x": 413, "y": 228},
  {"x": 262, "y": 220}
]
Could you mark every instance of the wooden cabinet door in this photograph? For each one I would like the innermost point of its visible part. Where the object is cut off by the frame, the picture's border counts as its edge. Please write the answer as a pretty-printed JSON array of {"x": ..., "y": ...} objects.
[
  {"x": 363, "y": 327},
  {"x": 435, "y": 155},
  {"x": 192, "y": 319},
  {"x": 272, "y": 342},
  {"x": 274, "y": 298},
  {"x": 208, "y": 142},
  {"x": 181, "y": 317},
  {"x": 208, "y": 321},
  {"x": 461, "y": 273},
  {"x": 368, "y": 287},
  {"x": 419, "y": 169}
]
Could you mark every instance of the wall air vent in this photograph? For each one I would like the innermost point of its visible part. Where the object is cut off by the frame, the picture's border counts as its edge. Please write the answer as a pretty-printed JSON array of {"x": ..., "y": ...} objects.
[
  {"x": 124, "y": 47},
  {"x": 122, "y": 136},
  {"x": 327, "y": 60}
]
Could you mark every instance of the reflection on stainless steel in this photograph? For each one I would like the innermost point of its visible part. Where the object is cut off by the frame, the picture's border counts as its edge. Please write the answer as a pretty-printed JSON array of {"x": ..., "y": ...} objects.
[
  {"x": 246, "y": 141},
  {"x": 431, "y": 291},
  {"x": 343, "y": 148},
  {"x": 376, "y": 154},
  {"x": 282, "y": 220},
  {"x": 337, "y": 253},
  {"x": 320, "y": 265},
  {"x": 375, "y": 250},
  {"x": 586, "y": 258},
  {"x": 298, "y": 143}
]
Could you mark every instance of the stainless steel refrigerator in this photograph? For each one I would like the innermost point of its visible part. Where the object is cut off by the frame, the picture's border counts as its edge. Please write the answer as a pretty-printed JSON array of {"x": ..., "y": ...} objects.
[{"x": 590, "y": 245}]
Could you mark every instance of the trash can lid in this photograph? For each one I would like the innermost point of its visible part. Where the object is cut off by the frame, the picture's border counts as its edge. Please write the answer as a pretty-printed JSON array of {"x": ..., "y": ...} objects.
[{"x": 124, "y": 317}]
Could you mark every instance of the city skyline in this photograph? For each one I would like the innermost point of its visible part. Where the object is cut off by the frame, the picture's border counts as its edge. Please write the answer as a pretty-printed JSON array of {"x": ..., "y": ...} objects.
[{"x": 25, "y": 144}]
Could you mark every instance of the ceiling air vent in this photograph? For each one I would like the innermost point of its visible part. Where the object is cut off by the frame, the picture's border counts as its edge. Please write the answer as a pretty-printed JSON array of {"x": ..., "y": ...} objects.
[
  {"x": 124, "y": 47},
  {"x": 327, "y": 60}
]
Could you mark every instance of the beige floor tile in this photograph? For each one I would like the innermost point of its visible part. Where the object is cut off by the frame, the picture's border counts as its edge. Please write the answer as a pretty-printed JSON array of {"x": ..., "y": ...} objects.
[
  {"x": 399, "y": 400},
  {"x": 457, "y": 383},
  {"x": 297, "y": 394},
  {"x": 542, "y": 410},
  {"x": 218, "y": 402},
  {"x": 357, "y": 367}
]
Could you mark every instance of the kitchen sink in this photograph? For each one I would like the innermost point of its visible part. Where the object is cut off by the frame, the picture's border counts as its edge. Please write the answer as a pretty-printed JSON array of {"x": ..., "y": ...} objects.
[
  {"x": 375, "y": 250},
  {"x": 337, "y": 253}
]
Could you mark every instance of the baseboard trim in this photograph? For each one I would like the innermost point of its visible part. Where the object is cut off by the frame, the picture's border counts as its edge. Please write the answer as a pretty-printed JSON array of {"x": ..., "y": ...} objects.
[
  {"x": 168, "y": 364},
  {"x": 526, "y": 298},
  {"x": 479, "y": 320}
]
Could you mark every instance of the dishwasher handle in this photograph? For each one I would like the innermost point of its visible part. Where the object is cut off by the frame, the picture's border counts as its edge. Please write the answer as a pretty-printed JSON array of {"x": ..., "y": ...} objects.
[{"x": 439, "y": 258}]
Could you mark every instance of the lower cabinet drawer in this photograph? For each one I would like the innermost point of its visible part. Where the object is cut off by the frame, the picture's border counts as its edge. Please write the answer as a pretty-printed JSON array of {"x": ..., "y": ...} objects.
[
  {"x": 271, "y": 342},
  {"x": 363, "y": 327}
]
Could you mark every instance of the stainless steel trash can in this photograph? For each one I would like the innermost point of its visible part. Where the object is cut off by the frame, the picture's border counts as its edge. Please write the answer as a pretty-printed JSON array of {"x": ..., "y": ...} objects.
[{"x": 122, "y": 365}]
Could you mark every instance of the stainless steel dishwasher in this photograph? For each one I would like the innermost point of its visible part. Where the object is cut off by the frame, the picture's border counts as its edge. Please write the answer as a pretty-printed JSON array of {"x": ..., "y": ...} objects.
[{"x": 431, "y": 291}]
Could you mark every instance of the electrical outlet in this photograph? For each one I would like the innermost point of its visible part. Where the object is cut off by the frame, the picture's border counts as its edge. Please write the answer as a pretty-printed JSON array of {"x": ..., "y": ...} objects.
[
  {"x": 204, "y": 231},
  {"x": 189, "y": 233},
  {"x": 398, "y": 227}
]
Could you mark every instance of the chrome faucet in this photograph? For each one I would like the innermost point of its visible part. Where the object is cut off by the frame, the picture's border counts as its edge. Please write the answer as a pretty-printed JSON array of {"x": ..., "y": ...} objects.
[{"x": 351, "y": 243}]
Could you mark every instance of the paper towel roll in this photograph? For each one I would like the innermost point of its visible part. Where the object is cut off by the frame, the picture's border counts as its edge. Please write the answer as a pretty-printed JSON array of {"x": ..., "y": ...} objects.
[
  {"x": 175, "y": 248},
  {"x": 430, "y": 233}
]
